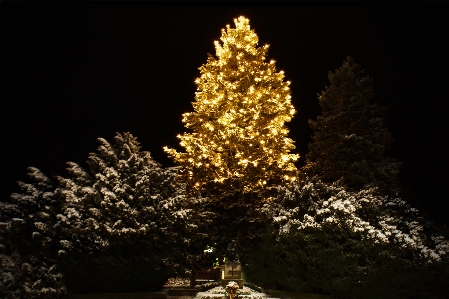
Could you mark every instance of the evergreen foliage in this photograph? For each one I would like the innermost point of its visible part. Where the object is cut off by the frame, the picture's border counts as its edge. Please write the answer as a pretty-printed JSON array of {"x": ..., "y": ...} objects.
[
  {"x": 238, "y": 150},
  {"x": 240, "y": 218},
  {"x": 37, "y": 206},
  {"x": 350, "y": 136},
  {"x": 130, "y": 203},
  {"x": 328, "y": 240},
  {"x": 27, "y": 241},
  {"x": 239, "y": 141},
  {"x": 382, "y": 219},
  {"x": 28, "y": 277},
  {"x": 339, "y": 264},
  {"x": 127, "y": 224},
  {"x": 128, "y": 220}
]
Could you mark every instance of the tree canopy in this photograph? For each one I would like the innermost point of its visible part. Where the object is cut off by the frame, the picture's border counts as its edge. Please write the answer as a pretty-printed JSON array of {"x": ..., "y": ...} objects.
[
  {"x": 351, "y": 137},
  {"x": 239, "y": 140}
]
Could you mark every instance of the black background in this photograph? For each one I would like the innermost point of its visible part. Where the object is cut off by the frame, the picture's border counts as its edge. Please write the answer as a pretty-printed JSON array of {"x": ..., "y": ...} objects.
[{"x": 73, "y": 72}]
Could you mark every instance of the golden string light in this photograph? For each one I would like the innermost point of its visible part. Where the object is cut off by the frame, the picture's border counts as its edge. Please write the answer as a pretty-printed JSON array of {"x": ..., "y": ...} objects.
[{"x": 240, "y": 109}]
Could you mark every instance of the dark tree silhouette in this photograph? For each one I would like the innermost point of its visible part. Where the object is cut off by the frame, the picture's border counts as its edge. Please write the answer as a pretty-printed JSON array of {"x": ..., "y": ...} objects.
[{"x": 350, "y": 136}]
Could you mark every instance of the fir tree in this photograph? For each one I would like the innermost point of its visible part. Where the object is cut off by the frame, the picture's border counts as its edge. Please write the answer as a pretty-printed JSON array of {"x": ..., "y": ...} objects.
[
  {"x": 36, "y": 207},
  {"x": 327, "y": 239},
  {"x": 350, "y": 136},
  {"x": 129, "y": 202},
  {"x": 239, "y": 141},
  {"x": 29, "y": 241}
]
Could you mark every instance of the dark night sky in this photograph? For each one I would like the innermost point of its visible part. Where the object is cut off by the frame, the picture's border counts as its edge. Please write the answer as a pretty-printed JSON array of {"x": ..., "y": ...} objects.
[{"x": 73, "y": 72}]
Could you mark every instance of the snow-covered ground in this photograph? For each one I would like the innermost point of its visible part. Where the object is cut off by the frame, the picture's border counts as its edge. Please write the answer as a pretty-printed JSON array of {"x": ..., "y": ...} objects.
[{"x": 219, "y": 293}]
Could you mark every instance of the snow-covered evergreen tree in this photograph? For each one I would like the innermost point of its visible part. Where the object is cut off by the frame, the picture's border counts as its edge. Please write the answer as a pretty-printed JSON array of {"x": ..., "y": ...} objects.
[
  {"x": 27, "y": 256},
  {"x": 327, "y": 238},
  {"x": 350, "y": 136},
  {"x": 379, "y": 218},
  {"x": 128, "y": 198},
  {"x": 343, "y": 227},
  {"x": 37, "y": 206},
  {"x": 28, "y": 277},
  {"x": 127, "y": 212}
]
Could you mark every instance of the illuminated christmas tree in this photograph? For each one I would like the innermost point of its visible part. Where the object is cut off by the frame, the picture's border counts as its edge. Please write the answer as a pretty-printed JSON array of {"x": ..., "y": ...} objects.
[{"x": 239, "y": 141}]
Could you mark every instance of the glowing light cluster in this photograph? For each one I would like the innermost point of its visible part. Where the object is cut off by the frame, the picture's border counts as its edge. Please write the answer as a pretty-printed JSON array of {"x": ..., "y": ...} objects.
[{"x": 241, "y": 106}]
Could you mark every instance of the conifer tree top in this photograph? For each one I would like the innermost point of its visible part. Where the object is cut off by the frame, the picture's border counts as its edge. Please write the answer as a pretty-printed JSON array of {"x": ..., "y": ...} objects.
[
  {"x": 350, "y": 136},
  {"x": 241, "y": 105}
]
